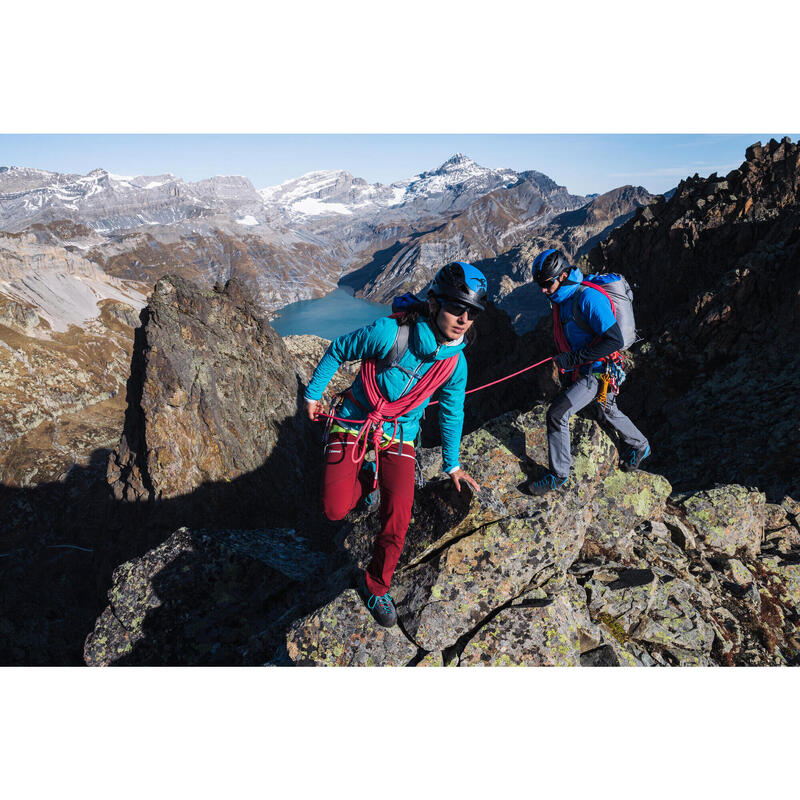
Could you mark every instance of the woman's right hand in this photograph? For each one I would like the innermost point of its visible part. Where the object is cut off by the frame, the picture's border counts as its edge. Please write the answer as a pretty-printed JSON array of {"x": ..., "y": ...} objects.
[{"x": 313, "y": 409}]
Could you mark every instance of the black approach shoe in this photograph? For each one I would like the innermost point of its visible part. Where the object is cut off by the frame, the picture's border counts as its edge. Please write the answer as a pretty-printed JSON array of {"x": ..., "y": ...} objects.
[
  {"x": 549, "y": 483},
  {"x": 380, "y": 606},
  {"x": 632, "y": 459}
]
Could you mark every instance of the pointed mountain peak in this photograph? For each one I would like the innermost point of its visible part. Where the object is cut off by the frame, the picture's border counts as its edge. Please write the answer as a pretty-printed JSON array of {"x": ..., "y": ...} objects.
[{"x": 459, "y": 160}]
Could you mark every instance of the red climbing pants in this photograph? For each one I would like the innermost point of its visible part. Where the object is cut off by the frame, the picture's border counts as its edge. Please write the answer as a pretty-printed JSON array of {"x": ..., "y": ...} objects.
[{"x": 343, "y": 487}]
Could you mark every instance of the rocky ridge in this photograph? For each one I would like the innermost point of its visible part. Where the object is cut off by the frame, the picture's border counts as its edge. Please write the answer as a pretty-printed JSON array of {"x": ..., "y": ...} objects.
[{"x": 716, "y": 271}]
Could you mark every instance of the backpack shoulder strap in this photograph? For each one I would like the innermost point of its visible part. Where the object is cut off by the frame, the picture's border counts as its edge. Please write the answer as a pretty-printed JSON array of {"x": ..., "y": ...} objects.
[
  {"x": 603, "y": 292},
  {"x": 577, "y": 315},
  {"x": 397, "y": 350}
]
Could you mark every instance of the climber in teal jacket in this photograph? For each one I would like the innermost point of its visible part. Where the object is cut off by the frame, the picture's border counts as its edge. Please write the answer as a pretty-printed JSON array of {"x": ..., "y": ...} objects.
[
  {"x": 436, "y": 331},
  {"x": 375, "y": 341}
]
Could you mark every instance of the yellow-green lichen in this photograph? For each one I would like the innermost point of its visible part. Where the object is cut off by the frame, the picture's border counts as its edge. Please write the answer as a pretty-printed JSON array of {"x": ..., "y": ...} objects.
[{"x": 615, "y": 627}]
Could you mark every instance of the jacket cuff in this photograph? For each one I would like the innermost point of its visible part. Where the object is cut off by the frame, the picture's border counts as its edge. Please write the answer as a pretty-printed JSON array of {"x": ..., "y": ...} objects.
[{"x": 453, "y": 469}]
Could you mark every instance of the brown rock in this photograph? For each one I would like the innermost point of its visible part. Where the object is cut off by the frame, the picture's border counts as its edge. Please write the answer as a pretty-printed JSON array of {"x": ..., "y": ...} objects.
[{"x": 212, "y": 400}]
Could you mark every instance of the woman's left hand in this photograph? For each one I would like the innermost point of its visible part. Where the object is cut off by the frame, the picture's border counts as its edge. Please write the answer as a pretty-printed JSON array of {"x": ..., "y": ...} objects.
[{"x": 459, "y": 475}]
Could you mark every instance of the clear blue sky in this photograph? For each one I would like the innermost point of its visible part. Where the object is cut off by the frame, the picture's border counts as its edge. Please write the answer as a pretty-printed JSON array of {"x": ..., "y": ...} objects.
[{"x": 584, "y": 163}]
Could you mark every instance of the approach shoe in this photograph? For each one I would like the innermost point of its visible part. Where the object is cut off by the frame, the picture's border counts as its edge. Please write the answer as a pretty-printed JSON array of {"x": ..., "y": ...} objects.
[
  {"x": 632, "y": 458},
  {"x": 372, "y": 500},
  {"x": 380, "y": 606},
  {"x": 549, "y": 483}
]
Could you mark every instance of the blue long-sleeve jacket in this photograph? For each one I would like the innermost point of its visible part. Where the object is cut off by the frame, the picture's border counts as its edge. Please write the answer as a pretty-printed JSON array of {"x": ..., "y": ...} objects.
[
  {"x": 375, "y": 341},
  {"x": 596, "y": 310}
]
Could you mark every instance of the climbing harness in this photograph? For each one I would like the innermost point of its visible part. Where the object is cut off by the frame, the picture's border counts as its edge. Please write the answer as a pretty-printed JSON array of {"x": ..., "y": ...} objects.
[
  {"x": 610, "y": 379},
  {"x": 384, "y": 411}
]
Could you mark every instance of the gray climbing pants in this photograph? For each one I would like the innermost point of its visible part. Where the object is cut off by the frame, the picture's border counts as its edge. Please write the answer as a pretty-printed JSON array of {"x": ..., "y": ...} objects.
[{"x": 576, "y": 397}]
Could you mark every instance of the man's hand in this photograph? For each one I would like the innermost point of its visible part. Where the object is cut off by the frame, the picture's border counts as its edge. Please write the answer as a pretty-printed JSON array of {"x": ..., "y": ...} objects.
[
  {"x": 313, "y": 409},
  {"x": 567, "y": 360},
  {"x": 459, "y": 475}
]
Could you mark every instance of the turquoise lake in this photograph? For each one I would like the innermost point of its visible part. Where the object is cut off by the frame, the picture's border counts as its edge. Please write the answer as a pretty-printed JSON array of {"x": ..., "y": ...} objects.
[{"x": 329, "y": 316}]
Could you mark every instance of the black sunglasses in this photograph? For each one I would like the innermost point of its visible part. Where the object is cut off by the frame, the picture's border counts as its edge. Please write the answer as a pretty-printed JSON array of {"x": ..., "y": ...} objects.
[
  {"x": 547, "y": 284},
  {"x": 457, "y": 309}
]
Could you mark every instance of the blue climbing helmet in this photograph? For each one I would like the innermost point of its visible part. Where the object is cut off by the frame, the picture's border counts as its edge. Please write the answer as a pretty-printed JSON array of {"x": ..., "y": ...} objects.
[
  {"x": 461, "y": 283},
  {"x": 547, "y": 265}
]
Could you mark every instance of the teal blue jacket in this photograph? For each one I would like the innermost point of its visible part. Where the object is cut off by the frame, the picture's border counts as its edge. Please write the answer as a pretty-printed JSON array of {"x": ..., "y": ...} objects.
[{"x": 375, "y": 341}]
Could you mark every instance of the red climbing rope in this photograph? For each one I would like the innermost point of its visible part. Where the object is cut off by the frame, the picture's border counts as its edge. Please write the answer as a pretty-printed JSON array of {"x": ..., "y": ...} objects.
[
  {"x": 386, "y": 411},
  {"x": 500, "y": 380}
]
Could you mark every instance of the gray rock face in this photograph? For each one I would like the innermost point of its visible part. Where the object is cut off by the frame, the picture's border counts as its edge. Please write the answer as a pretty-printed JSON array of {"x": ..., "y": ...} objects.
[{"x": 213, "y": 400}]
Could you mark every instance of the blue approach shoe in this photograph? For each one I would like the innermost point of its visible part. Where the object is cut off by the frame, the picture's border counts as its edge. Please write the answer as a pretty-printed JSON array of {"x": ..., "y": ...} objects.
[
  {"x": 373, "y": 499},
  {"x": 380, "y": 606},
  {"x": 547, "y": 484},
  {"x": 632, "y": 458}
]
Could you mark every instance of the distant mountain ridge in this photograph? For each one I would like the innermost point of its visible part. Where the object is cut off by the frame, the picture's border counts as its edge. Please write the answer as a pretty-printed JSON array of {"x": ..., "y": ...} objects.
[{"x": 291, "y": 241}]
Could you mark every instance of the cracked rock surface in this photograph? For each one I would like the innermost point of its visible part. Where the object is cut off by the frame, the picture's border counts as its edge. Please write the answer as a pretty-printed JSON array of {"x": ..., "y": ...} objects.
[{"x": 613, "y": 571}]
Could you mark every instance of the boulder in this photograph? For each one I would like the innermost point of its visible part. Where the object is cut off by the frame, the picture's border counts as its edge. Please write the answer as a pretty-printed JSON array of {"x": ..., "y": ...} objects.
[
  {"x": 654, "y": 609},
  {"x": 546, "y": 626},
  {"x": 197, "y": 598},
  {"x": 343, "y": 633},
  {"x": 540, "y": 633},
  {"x": 440, "y": 600},
  {"x": 727, "y": 519}
]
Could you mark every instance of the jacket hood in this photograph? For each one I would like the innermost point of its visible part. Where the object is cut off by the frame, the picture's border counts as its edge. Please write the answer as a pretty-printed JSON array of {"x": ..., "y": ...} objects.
[
  {"x": 565, "y": 291},
  {"x": 424, "y": 345}
]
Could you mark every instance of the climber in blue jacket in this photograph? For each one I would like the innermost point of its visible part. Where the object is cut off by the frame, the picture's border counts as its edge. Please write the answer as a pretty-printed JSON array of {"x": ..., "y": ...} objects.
[{"x": 583, "y": 357}]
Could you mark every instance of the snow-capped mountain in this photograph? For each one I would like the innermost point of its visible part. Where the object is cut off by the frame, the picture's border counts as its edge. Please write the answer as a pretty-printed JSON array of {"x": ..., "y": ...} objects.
[
  {"x": 110, "y": 203},
  {"x": 452, "y": 187},
  {"x": 295, "y": 240},
  {"x": 327, "y": 192}
]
